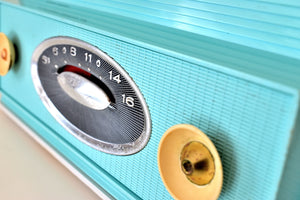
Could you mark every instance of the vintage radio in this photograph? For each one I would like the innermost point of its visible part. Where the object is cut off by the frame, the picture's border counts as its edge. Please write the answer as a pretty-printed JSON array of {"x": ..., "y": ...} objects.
[{"x": 160, "y": 99}]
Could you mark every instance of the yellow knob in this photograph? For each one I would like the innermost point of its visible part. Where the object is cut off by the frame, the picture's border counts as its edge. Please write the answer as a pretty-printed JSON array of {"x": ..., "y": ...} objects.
[
  {"x": 7, "y": 54},
  {"x": 189, "y": 164}
]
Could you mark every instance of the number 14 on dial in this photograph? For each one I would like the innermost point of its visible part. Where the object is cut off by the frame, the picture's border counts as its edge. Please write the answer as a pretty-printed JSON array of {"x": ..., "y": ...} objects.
[{"x": 116, "y": 78}]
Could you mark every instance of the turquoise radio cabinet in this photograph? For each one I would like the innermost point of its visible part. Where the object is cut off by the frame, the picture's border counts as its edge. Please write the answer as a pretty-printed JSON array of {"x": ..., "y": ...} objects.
[{"x": 102, "y": 83}]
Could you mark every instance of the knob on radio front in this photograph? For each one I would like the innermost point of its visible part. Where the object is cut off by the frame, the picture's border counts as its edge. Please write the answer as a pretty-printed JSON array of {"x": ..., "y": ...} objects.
[
  {"x": 7, "y": 54},
  {"x": 189, "y": 164}
]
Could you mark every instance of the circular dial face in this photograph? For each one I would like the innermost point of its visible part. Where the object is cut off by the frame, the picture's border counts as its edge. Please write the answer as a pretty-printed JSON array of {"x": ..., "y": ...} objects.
[{"x": 91, "y": 95}]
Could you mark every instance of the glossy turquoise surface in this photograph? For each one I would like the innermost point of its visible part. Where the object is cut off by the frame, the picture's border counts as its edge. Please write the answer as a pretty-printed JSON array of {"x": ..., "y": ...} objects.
[{"x": 242, "y": 94}]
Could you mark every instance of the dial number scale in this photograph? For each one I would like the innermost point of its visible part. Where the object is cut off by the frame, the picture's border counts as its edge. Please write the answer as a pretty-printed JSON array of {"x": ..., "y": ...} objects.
[{"x": 91, "y": 95}]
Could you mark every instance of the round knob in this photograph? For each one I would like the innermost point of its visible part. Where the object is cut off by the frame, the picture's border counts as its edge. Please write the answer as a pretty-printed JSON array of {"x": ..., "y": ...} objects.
[
  {"x": 7, "y": 54},
  {"x": 189, "y": 164}
]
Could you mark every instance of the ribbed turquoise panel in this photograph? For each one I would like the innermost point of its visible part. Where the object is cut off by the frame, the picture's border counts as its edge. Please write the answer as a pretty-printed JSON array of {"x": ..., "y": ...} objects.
[
  {"x": 289, "y": 188},
  {"x": 259, "y": 24},
  {"x": 255, "y": 57},
  {"x": 249, "y": 119}
]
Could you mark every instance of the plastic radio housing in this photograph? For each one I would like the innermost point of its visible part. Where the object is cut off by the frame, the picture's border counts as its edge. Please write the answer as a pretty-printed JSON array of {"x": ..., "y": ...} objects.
[{"x": 229, "y": 68}]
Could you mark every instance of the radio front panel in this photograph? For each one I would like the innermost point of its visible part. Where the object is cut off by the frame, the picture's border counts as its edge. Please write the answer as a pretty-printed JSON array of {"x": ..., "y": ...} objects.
[{"x": 249, "y": 119}]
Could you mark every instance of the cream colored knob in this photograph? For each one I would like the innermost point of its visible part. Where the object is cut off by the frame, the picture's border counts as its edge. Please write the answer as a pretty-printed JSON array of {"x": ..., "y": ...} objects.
[
  {"x": 189, "y": 164},
  {"x": 7, "y": 54}
]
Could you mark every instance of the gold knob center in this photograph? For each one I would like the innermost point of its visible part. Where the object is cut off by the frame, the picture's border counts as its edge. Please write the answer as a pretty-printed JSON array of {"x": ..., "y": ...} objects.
[
  {"x": 197, "y": 163},
  {"x": 4, "y": 54}
]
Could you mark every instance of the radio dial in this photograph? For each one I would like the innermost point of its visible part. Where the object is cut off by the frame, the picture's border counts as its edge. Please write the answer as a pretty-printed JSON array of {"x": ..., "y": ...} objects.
[{"x": 91, "y": 95}]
